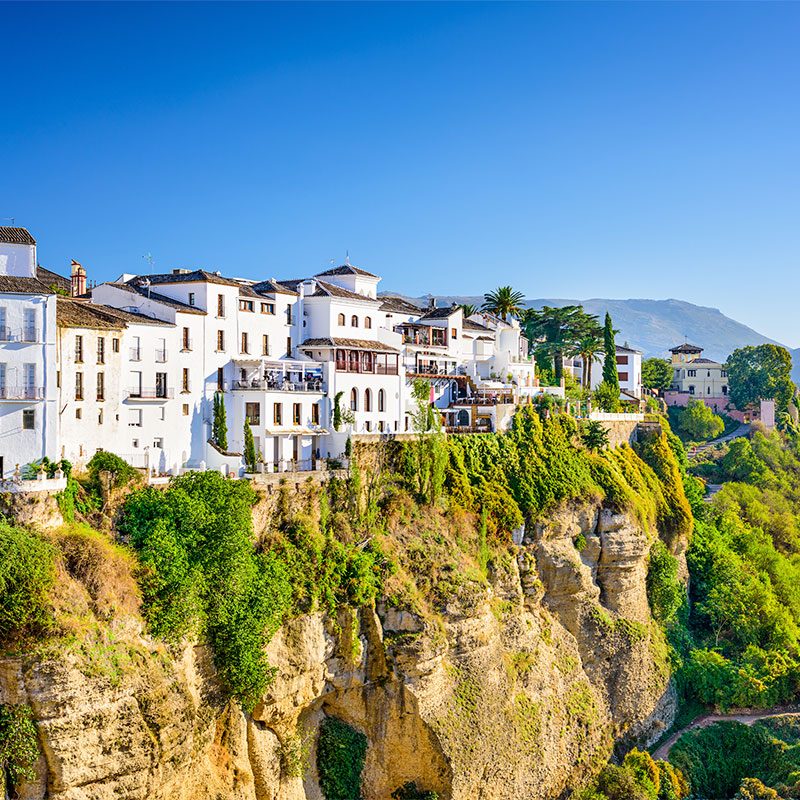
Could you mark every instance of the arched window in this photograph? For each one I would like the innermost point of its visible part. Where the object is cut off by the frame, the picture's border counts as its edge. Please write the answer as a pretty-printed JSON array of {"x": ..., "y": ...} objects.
[
  {"x": 381, "y": 400},
  {"x": 367, "y": 322},
  {"x": 367, "y": 400},
  {"x": 354, "y": 321},
  {"x": 341, "y": 319},
  {"x": 354, "y": 399}
]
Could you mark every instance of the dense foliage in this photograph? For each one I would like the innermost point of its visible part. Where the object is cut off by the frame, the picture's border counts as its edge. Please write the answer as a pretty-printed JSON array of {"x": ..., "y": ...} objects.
[
  {"x": 698, "y": 423},
  {"x": 639, "y": 777},
  {"x": 27, "y": 573},
  {"x": 656, "y": 373},
  {"x": 219, "y": 422},
  {"x": 341, "y": 751},
  {"x": 760, "y": 372},
  {"x": 19, "y": 745}
]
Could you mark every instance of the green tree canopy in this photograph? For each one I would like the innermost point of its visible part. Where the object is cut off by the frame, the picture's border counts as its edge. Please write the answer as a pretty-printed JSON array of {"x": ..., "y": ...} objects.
[
  {"x": 699, "y": 423},
  {"x": 504, "y": 301},
  {"x": 656, "y": 373},
  {"x": 610, "y": 375},
  {"x": 762, "y": 372}
]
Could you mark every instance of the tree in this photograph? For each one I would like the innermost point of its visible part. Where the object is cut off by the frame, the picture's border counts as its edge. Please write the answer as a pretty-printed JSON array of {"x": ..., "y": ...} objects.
[
  {"x": 558, "y": 331},
  {"x": 754, "y": 789},
  {"x": 468, "y": 309},
  {"x": 505, "y": 302},
  {"x": 219, "y": 425},
  {"x": 610, "y": 375},
  {"x": 699, "y": 423},
  {"x": 760, "y": 373},
  {"x": 656, "y": 374},
  {"x": 607, "y": 397},
  {"x": 250, "y": 456},
  {"x": 594, "y": 436},
  {"x": 588, "y": 347}
]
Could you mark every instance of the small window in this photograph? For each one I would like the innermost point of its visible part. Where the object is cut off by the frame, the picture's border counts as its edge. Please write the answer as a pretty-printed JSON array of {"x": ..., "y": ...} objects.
[
  {"x": 265, "y": 345},
  {"x": 101, "y": 386},
  {"x": 354, "y": 399},
  {"x": 367, "y": 322},
  {"x": 78, "y": 413},
  {"x": 297, "y": 414},
  {"x": 191, "y": 298},
  {"x": 100, "y": 417},
  {"x": 115, "y": 345},
  {"x": 289, "y": 346},
  {"x": 368, "y": 400},
  {"x": 341, "y": 319},
  {"x": 158, "y": 443},
  {"x": 268, "y": 308},
  {"x": 135, "y": 444},
  {"x": 220, "y": 379},
  {"x": 28, "y": 419},
  {"x": 220, "y": 305},
  {"x": 247, "y": 305},
  {"x": 381, "y": 400},
  {"x": 315, "y": 414},
  {"x": 454, "y": 333},
  {"x": 245, "y": 343},
  {"x": 252, "y": 412},
  {"x": 79, "y": 386},
  {"x": 185, "y": 380},
  {"x": 220, "y": 341},
  {"x": 79, "y": 349},
  {"x": 354, "y": 321},
  {"x": 101, "y": 350},
  {"x": 277, "y": 413},
  {"x": 186, "y": 342},
  {"x": 288, "y": 314},
  {"x": 185, "y": 409}
]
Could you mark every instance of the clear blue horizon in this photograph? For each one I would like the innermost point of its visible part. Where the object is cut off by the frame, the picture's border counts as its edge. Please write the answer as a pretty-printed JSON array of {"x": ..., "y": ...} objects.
[{"x": 571, "y": 150}]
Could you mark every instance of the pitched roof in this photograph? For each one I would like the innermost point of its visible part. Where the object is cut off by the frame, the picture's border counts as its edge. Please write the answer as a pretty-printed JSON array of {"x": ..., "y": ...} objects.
[
  {"x": 347, "y": 269},
  {"x": 399, "y": 304},
  {"x": 189, "y": 276},
  {"x": 15, "y": 236},
  {"x": 705, "y": 361},
  {"x": 686, "y": 348},
  {"x": 159, "y": 298},
  {"x": 329, "y": 290},
  {"x": 440, "y": 313},
  {"x": 272, "y": 286},
  {"x": 622, "y": 348},
  {"x": 352, "y": 344},
  {"x": 49, "y": 278},
  {"x": 291, "y": 283},
  {"x": 21, "y": 285},
  {"x": 72, "y": 313},
  {"x": 469, "y": 325}
]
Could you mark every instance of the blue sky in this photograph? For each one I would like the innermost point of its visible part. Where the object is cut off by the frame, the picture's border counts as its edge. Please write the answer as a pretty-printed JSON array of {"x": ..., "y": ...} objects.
[{"x": 622, "y": 150}]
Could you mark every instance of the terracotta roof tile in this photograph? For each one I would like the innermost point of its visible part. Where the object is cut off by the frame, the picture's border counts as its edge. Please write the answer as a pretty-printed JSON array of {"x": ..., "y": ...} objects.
[
  {"x": 353, "y": 344},
  {"x": 15, "y": 236},
  {"x": 347, "y": 269}
]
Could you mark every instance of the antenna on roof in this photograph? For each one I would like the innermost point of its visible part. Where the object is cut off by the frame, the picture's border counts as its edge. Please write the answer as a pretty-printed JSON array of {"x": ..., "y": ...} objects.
[
  {"x": 148, "y": 257},
  {"x": 13, "y": 221},
  {"x": 347, "y": 258}
]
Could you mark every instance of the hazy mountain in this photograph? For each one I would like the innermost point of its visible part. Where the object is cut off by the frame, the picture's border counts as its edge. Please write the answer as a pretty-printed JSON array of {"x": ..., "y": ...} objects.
[{"x": 654, "y": 326}]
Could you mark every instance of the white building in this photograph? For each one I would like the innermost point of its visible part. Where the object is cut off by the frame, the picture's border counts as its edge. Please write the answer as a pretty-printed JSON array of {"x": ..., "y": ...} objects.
[
  {"x": 28, "y": 394},
  {"x": 629, "y": 372}
]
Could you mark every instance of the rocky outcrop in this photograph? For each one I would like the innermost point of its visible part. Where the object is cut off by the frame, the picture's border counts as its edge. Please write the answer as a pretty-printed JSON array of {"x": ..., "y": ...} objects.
[{"x": 521, "y": 693}]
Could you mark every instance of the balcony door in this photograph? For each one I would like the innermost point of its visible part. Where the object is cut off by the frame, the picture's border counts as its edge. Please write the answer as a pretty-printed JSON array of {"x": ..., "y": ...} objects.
[{"x": 29, "y": 380}]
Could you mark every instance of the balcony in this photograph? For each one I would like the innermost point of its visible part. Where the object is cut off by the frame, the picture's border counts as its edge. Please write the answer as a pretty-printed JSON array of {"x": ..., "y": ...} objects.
[
  {"x": 272, "y": 385},
  {"x": 161, "y": 356},
  {"x": 135, "y": 354},
  {"x": 16, "y": 393},
  {"x": 25, "y": 336},
  {"x": 150, "y": 393}
]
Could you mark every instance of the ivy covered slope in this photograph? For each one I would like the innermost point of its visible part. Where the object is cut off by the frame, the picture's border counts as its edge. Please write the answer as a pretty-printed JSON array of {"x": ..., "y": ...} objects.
[{"x": 379, "y": 632}]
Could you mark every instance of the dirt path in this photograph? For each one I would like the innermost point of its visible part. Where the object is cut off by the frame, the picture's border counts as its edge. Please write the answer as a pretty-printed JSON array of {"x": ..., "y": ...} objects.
[
  {"x": 736, "y": 433},
  {"x": 746, "y": 718}
]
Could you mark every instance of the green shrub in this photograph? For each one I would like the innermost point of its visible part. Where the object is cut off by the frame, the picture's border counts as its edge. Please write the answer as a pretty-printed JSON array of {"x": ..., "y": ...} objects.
[
  {"x": 26, "y": 578},
  {"x": 665, "y": 592},
  {"x": 121, "y": 472},
  {"x": 341, "y": 751},
  {"x": 409, "y": 791},
  {"x": 19, "y": 745},
  {"x": 699, "y": 423}
]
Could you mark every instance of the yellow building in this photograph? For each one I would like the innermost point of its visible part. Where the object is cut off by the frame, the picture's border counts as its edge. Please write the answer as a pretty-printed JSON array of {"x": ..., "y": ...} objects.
[{"x": 694, "y": 375}]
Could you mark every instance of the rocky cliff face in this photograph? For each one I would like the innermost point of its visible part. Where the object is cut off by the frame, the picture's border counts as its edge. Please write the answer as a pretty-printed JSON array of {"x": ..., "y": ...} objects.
[{"x": 518, "y": 690}]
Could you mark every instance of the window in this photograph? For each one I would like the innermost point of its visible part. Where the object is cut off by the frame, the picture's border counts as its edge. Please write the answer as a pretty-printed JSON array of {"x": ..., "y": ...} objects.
[
  {"x": 79, "y": 349},
  {"x": 315, "y": 414},
  {"x": 29, "y": 380},
  {"x": 245, "y": 343},
  {"x": 79, "y": 386},
  {"x": 367, "y": 322},
  {"x": 158, "y": 443},
  {"x": 296, "y": 414},
  {"x": 288, "y": 314},
  {"x": 185, "y": 409},
  {"x": 354, "y": 399},
  {"x": 28, "y": 419},
  {"x": 622, "y": 377},
  {"x": 29, "y": 332},
  {"x": 5, "y": 334},
  {"x": 191, "y": 298},
  {"x": 277, "y": 413},
  {"x": 186, "y": 342},
  {"x": 185, "y": 380},
  {"x": 115, "y": 345},
  {"x": 724, "y": 390},
  {"x": 220, "y": 341},
  {"x": 100, "y": 417},
  {"x": 622, "y": 360},
  {"x": 161, "y": 351},
  {"x": 354, "y": 321},
  {"x": 78, "y": 413},
  {"x": 265, "y": 345},
  {"x": 101, "y": 386},
  {"x": 247, "y": 305},
  {"x": 381, "y": 400},
  {"x": 454, "y": 333},
  {"x": 252, "y": 412},
  {"x": 708, "y": 390},
  {"x": 289, "y": 346},
  {"x": 268, "y": 308},
  {"x": 220, "y": 305},
  {"x": 381, "y": 425},
  {"x": 135, "y": 418},
  {"x": 341, "y": 319},
  {"x": 220, "y": 379},
  {"x": 368, "y": 400},
  {"x": 691, "y": 373},
  {"x": 724, "y": 373},
  {"x": 368, "y": 426},
  {"x": 135, "y": 444},
  {"x": 161, "y": 384},
  {"x": 691, "y": 390},
  {"x": 101, "y": 350},
  {"x": 136, "y": 384}
]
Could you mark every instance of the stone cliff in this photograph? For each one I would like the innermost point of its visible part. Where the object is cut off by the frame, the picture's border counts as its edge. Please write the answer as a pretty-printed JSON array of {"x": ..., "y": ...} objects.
[{"x": 517, "y": 686}]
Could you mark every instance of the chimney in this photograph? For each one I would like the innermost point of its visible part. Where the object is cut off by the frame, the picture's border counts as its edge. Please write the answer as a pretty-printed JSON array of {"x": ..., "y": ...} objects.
[{"x": 77, "y": 280}]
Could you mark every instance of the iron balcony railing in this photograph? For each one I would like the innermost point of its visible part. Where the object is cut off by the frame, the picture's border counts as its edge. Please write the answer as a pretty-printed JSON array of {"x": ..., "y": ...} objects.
[
  {"x": 26, "y": 335},
  {"x": 161, "y": 356},
  {"x": 21, "y": 392},
  {"x": 259, "y": 384},
  {"x": 135, "y": 354},
  {"x": 150, "y": 393}
]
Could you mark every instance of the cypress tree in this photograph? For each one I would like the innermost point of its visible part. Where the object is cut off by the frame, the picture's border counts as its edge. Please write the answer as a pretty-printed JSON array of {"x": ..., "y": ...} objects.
[
  {"x": 219, "y": 425},
  {"x": 250, "y": 458},
  {"x": 610, "y": 375}
]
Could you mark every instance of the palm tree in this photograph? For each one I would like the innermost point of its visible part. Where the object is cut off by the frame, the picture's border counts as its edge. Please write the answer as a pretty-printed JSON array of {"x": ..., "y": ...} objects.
[
  {"x": 588, "y": 347},
  {"x": 468, "y": 309},
  {"x": 505, "y": 302}
]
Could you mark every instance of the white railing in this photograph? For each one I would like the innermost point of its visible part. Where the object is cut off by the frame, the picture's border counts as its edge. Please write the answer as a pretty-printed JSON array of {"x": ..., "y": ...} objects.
[{"x": 606, "y": 416}]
